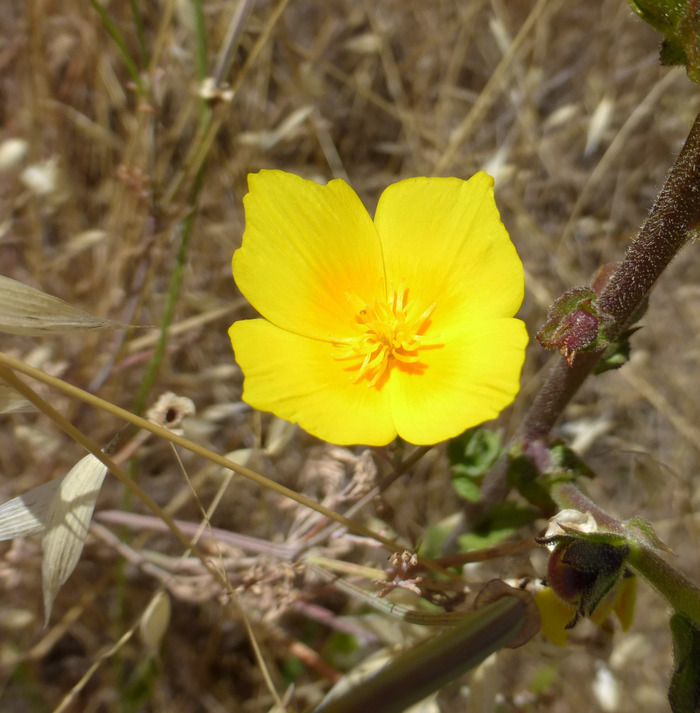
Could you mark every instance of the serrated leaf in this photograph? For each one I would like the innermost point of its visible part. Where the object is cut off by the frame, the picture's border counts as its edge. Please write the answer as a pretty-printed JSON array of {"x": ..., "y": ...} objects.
[
  {"x": 27, "y": 311},
  {"x": 67, "y": 525}
]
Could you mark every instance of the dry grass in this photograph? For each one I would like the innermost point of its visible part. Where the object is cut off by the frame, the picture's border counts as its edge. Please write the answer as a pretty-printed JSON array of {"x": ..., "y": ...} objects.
[{"x": 563, "y": 102}]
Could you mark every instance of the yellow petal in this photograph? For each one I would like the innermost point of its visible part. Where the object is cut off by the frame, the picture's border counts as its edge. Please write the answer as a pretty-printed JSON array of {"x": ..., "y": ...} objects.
[
  {"x": 626, "y": 600},
  {"x": 555, "y": 615},
  {"x": 468, "y": 380},
  {"x": 298, "y": 379},
  {"x": 306, "y": 250},
  {"x": 444, "y": 238}
]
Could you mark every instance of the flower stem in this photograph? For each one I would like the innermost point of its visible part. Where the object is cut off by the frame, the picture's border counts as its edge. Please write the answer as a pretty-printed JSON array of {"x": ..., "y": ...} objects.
[
  {"x": 675, "y": 213},
  {"x": 674, "y": 586}
]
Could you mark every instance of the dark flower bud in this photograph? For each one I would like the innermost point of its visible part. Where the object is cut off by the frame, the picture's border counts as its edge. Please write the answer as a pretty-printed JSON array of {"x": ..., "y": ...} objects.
[
  {"x": 582, "y": 569},
  {"x": 574, "y": 324}
]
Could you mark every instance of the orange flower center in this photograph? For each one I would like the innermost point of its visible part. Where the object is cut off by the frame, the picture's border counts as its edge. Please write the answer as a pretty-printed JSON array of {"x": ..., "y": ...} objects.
[{"x": 385, "y": 334}]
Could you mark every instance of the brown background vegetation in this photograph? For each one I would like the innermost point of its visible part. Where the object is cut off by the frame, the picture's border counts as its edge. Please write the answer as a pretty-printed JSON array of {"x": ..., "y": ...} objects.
[{"x": 564, "y": 102}]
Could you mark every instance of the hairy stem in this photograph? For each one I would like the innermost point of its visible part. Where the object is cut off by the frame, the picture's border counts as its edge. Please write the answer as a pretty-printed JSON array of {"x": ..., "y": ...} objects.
[
  {"x": 674, "y": 586},
  {"x": 675, "y": 213}
]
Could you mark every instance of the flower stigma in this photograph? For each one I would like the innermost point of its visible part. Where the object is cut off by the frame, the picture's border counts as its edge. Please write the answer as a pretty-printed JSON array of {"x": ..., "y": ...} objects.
[{"x": 386, "y": 334}]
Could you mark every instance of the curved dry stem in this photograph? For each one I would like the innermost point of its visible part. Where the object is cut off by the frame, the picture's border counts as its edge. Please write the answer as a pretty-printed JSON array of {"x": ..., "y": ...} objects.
[{"x": 7, "y": 363}]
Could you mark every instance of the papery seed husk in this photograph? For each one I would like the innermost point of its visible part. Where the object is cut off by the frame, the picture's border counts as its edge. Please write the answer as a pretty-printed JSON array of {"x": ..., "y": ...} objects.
[
  {"x": 67, "y": 526},
  {"x": 11, "y": 401},
  {"x": 155, "y": 621},
  {"x": 31, "y": 312},
  {"x": 28, "y": 513}
]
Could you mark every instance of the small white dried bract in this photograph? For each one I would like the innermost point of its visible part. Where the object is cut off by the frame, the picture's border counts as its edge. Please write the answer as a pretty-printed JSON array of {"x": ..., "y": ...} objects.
[
  {"x": 42, "y": 179},
  {"x": 12, "y": 153},
  {"x": 31, "y": 312},
  {"x": 62, "y": 510},
  {"x": 572, "y": 520}
]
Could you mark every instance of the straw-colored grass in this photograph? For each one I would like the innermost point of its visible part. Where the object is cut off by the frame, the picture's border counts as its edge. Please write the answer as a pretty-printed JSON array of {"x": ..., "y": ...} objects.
[{"x": 564, "y": 103}]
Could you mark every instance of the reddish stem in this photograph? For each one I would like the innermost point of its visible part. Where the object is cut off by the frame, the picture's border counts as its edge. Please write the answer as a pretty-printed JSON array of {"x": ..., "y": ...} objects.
[{"x": 675, "y": 213}]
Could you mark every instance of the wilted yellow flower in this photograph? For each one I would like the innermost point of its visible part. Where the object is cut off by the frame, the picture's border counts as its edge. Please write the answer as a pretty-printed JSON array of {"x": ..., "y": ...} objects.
[
  {"x": 556, "y": 614},
  {"x": 402, "y": 325}
]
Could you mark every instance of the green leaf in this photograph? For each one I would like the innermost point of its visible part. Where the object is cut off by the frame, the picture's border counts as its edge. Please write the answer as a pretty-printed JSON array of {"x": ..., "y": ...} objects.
[
  {"x": 467, "y": 489},
  {"x": 474, "y": 452},
  {"x": 679, "y": 22},
  {"x": 503, "y": 521},
  {"x": 431, "y": 545},
  {"x": 684, "y": 691},
  {"x": 525, "y": 478},
  {"x": 472, "y": 455},
  {"x": 564, "y": 458}
]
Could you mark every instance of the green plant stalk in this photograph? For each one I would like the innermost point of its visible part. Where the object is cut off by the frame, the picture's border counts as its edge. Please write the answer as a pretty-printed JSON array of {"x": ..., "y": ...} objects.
[
  {"x": 682, "y": 594},
  {"x": 185, "y": 232},
  {"x": 432, "y": 664},
  {"x": 201, "y": 39},
  {"x": 201, "y": 144},
  {"x": 114, "y": 33},
  {"x": 137, "y": 17},
  {"x": 171, "y": 300},
  {"x": 147, "y": 381}
]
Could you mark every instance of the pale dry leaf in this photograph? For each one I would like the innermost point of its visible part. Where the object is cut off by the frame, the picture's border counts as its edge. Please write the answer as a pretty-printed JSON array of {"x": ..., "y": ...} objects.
[
  {"x": 155, "y": 621},
  {"x": 12, "y": 153},
  {"x": 31, "y": 312},
  {"x": 11, "y": 401},
  {"x": 28, "y": 513},
  {"x": 67, "y": 525},
  {"x": 42, "y": 179}
]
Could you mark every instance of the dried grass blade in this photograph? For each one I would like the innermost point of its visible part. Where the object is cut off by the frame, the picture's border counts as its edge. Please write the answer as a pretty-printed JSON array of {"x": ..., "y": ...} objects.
[
  {"x": 31, "y": 312},
  {"x": 67, "y": 525},
  {"x": 12, "y": 401},
  {"x": 28, "y": 513}
]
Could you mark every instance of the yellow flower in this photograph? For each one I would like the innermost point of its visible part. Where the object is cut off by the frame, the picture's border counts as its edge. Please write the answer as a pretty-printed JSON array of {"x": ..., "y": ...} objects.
[
  {"x": 556, "y": 614},
  {"x": 398, "y": 325}
]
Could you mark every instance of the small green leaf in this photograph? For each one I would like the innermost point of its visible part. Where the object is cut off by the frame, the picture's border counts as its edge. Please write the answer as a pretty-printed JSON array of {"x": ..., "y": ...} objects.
[
  {"x": 617, "y": 354},
  {"x": 474, "y": 452},
  {"x": 564, "y": 458},
  {"x": 503, "y": 521},
  {"x": 431, "y": 545},
  {"x": 679, "y": 22},
  {"x": 471, "y": 541},
  {"x": 524, "y": 476},
  {"x": 467, "y": 489},
  {"x": 472, "y": 455}
]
